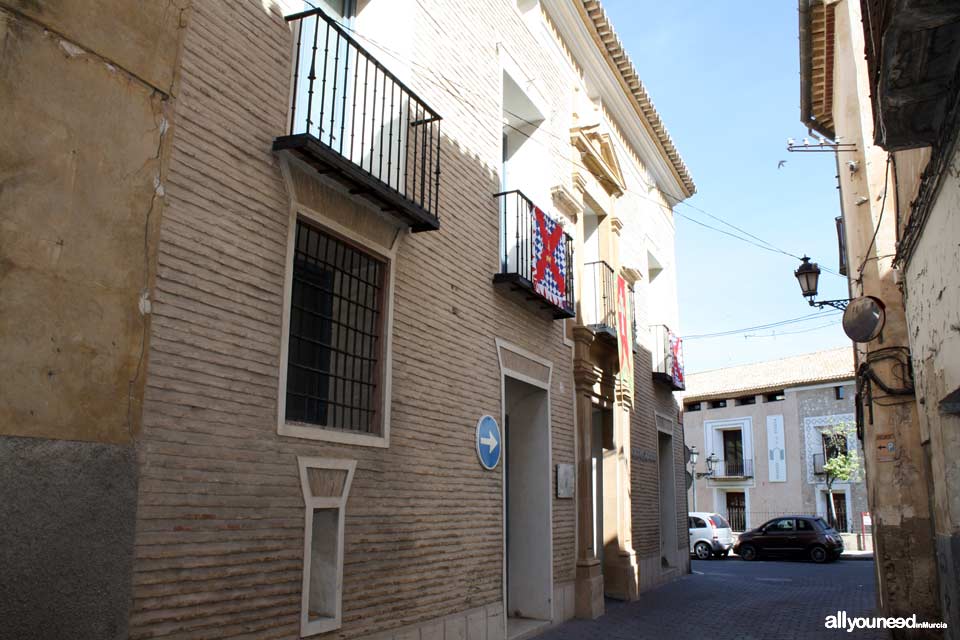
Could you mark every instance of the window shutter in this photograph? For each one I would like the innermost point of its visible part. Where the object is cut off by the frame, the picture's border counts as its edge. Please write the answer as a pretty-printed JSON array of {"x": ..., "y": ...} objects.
[{"x": 776, "y": 454}]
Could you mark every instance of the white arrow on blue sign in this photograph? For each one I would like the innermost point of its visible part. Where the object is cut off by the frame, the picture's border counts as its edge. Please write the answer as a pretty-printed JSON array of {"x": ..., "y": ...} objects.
[{"x": 488, "y": 442}]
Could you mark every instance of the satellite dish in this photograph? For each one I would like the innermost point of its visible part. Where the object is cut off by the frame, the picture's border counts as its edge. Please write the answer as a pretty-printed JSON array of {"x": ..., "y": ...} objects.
[{"x": 863, "y": 319}]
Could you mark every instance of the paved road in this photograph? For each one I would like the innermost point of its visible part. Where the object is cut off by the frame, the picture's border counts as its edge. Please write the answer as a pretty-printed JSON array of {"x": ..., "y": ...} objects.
[{"x": 735, "y": 600}]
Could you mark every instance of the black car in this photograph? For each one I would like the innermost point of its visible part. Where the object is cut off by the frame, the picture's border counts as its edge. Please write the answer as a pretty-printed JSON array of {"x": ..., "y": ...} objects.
[{"x": 791, "y": 535}]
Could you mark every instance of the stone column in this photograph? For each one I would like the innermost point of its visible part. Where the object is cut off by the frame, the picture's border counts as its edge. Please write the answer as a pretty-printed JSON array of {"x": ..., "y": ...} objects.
[{"x": 589, "y": 576}]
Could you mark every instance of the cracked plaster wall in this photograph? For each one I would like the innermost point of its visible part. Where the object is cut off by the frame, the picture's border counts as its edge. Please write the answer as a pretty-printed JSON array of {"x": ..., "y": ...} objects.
[
  {"x": 932, "y": 294},
  {"x": 86, "y": 103}
]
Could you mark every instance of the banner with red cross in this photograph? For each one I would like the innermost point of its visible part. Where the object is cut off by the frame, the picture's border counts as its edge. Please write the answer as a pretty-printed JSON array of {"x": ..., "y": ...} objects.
[
  {"x": 625, "y": 337},
  {"x": 549, "y": 274}
]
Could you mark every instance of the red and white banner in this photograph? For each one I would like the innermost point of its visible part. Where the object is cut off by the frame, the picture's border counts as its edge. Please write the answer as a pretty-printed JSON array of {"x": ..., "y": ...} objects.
[{"x": 625, "y": 337}]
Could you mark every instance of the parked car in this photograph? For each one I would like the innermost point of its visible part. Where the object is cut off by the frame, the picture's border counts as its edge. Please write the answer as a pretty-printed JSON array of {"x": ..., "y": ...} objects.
[
  {"x": 710, "y": 535},
  {"x": 791, "y": 535}
]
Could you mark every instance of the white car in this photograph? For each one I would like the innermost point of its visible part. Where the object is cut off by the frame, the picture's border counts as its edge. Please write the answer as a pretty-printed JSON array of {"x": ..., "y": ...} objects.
[{"x": 710, "y": 535}]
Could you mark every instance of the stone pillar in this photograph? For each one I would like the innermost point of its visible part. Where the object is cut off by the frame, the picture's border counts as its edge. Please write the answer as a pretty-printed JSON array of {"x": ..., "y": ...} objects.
[{"x": 589, "y": 576}]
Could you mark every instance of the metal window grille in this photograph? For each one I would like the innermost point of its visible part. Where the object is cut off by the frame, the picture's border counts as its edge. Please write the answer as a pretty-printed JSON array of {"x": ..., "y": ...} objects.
[{"x": 336, "y": 315}]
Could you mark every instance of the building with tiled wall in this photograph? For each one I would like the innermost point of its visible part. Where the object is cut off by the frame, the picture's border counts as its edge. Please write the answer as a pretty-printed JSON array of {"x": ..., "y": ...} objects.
[
  {"x": 764, "y": 422},
  {"x": 334, "y": 300}
]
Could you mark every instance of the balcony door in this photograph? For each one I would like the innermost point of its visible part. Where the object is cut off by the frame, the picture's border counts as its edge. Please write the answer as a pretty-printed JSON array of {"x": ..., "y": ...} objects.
[{"x": 733, "y": 452}]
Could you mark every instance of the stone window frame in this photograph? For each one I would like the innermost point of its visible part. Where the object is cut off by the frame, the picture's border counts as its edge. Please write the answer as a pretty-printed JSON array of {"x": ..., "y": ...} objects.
[
  {"x": 813, "y": 427},
  {"x": 388, "y": 255},
  {"x": 314, "y": 503}
]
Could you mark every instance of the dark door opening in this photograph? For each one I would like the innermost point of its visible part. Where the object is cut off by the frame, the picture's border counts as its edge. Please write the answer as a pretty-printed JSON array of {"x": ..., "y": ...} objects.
[
  {"x": 737, "y": 510},
  {"x": 840, "y": 504}
]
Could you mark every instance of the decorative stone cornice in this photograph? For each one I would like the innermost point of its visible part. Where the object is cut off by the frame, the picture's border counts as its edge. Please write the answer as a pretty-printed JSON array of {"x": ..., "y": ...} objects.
[
  {"x": 598, "y": 155},
  {"x": 616, "y": 224},
  {"x": 566, "y": 202}
]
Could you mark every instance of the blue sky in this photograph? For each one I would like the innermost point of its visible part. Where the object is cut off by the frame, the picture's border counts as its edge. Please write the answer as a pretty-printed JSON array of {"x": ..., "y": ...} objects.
[{"x": 727, "y": 88}]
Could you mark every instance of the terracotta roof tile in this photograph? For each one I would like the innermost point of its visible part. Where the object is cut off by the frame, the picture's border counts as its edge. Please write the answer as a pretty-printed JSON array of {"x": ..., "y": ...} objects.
[{"x": 810, "y": 368}]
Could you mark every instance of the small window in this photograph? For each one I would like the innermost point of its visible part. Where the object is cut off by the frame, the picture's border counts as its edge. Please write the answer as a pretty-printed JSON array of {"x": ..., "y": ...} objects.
[
  {"x": 719, "y": 521},
  {"x": 698, "y": 523},
  {"x": 718, "y": 404},
  {"x": 839, "y": 393},
  {"x": 335, "y": 344},
  {"x": 774, "y": 396},
  {"x": 804, "y": 525},
  {"x": 326, "y": 485},
  {"x": 742, "y": 400},
  {"x": 692, "y": 406}
]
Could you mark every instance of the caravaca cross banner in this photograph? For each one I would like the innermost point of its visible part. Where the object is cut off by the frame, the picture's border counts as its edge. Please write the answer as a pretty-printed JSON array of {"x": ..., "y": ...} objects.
[
  {"x": 549, "y": 275},
  {"x": 676, "y": 360},
  {"x": 625, "y": 338}
]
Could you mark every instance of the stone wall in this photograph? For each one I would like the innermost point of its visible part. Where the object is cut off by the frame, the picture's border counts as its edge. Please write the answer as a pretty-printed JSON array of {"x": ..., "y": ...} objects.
[{"x": 85, "y": 130}]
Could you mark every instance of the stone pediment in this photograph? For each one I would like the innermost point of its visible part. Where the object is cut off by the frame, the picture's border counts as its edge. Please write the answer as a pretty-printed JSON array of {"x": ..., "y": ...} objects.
[{"x": 598, "y": 155}]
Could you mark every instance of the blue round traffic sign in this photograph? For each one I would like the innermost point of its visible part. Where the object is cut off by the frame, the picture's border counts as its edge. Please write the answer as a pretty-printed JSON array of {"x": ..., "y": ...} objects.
[{"x": 489, "y": 442}]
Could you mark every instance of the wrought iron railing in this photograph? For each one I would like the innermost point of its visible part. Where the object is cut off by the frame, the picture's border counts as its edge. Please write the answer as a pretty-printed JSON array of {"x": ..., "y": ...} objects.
[
  {"x": 734, "y": 468},
  {"x": 667, "y": 357},
  {"x": 599, "y": 297},
  {"x": 535, "y": 253},
  {"x": 349, "y": 103}
]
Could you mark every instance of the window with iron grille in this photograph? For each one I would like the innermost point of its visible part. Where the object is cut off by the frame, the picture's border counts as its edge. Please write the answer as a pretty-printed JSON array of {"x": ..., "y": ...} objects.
[{"x": 336, "y": 319}]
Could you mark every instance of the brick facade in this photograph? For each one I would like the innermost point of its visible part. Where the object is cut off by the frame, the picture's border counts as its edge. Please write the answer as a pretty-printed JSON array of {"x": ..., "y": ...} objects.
[{"x": 219, "y": 547}]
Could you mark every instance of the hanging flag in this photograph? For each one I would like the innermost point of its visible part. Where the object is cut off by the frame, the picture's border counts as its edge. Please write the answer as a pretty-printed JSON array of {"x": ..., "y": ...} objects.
[
  {"x": 625, "y": 337},
  {"x": 549, "y": 258},
  {"x": 676, "y": 360}
]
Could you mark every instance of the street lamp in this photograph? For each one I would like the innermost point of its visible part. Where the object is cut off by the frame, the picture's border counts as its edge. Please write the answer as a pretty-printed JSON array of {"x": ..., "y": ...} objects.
[
  {"x": 711, "y": 463},
  {"x": 808, "y": 275}
]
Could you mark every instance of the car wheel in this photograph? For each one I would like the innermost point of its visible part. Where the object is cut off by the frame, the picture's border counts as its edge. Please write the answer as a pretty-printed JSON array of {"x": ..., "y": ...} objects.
[
  {"x": 747, "y": 552},
  {"x": 703, "y": 551},
  {"x": 818, "y": 554}
]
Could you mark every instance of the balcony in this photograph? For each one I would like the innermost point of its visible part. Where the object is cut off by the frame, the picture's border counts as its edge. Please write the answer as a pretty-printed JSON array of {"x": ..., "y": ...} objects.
[
  {"x": 733, "y": 469},
  {"x": 913, "y": 50},
  {"x": 354, "y": 121},
  {"x": 536, "y": 255},
  {"x": 818, "y": 462},
  {"x": 599, "y": 299},
  {"x": 668, "y": 357}
]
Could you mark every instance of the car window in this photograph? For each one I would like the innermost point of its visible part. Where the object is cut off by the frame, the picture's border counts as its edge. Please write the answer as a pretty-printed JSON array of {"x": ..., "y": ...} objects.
[
  {"x": 698, "y": 523},
  {"x": 823, "y": 524},
  {"x": 804, "y": 525},
  {"x": 719, "y": 522},
  {"x": 782, "y": 525}
]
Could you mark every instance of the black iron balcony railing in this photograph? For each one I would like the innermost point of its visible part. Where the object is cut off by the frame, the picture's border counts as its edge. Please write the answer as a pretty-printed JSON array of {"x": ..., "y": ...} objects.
[
  {"x": 667, "y": 357},
  {"x": 734, "y": 468},
  {"x": 351, "y": 119},
  {"x": 536, "y": 255},
  {"x": 598, "y": 301}
]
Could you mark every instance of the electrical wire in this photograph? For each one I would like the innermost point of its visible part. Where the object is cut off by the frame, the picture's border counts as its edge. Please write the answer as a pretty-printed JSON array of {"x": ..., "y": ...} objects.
[
  {"x": 883, "y": 206},
  {"x": 770, "y": 325},
  {"x": 774, "y": 334}
]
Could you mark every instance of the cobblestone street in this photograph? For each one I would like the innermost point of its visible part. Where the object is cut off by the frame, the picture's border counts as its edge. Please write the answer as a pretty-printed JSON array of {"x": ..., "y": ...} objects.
[{"x": 731, "y": 599}]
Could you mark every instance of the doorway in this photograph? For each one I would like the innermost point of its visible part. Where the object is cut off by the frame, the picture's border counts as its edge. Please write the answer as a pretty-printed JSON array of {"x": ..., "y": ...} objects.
[
  {"x": 604, "y": 472},
  {"x": 527, "y": 493},
  {"x": 668, "y": 500},
  {"x": 840, "y": 505},
  {"x": 737, "y": 510}
]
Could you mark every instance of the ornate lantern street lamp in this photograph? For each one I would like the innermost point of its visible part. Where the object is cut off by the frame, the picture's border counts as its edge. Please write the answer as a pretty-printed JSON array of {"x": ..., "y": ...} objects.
[
  {"x": 808, "y": 275},
  {"x": 711, "y": 461}
]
